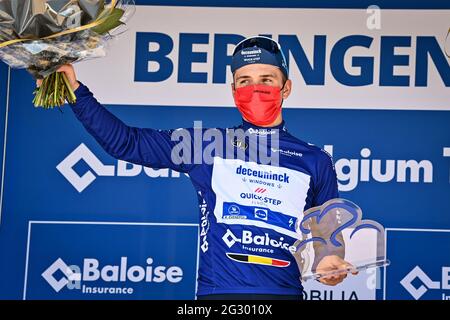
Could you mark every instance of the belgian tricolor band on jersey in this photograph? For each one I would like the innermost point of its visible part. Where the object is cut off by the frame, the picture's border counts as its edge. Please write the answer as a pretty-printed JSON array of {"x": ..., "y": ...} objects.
[{"x": 245, "y": 258}]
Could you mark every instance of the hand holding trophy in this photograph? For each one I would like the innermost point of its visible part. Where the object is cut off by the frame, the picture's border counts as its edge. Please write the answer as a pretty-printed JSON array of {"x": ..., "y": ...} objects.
[{"x": 326, "y": 231}]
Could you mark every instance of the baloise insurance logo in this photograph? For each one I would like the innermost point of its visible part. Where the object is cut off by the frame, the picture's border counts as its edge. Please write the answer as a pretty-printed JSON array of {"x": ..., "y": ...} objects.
[
  {"x": 418, "y": 283},
  {"x": 95, "y": 168},
  {"x": 119, "y": 278}
]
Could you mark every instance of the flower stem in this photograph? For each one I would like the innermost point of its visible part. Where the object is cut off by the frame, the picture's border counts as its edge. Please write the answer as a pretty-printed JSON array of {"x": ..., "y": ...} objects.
[{"x": 54, "y": 91}]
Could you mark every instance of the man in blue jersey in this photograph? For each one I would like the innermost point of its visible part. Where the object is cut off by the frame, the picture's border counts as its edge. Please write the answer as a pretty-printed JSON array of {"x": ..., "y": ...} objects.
[{"x": 248, "y": 208}]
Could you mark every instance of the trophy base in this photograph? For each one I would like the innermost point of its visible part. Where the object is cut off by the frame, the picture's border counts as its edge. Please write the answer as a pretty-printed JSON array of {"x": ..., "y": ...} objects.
[{"x": 375, "y": 264}]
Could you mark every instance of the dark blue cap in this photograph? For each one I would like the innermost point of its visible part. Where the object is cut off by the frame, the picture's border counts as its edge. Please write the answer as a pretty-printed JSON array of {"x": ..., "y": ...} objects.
[{"x": 259, "y": 50}]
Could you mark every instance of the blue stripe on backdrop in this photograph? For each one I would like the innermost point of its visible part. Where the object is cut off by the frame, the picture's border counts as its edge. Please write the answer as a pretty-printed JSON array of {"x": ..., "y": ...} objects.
[
  {"x": 349, "y": 4},
  {"x": 5, "y": 243},
  {"x": 3, "y": 97}
]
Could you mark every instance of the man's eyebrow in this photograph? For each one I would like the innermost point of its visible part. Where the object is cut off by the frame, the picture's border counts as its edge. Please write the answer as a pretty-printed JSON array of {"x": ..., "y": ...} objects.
[
  {"x": 242, "y": 77},
  {"x": 270, "y": 75}
]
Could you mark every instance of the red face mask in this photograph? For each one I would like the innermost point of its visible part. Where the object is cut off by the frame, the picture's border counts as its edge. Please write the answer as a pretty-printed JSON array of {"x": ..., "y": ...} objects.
[{"x": 259, "y": 104}]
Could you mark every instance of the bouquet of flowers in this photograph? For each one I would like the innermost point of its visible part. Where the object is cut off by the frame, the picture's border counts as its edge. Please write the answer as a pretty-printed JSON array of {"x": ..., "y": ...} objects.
[{"x": 43, "y": 35}]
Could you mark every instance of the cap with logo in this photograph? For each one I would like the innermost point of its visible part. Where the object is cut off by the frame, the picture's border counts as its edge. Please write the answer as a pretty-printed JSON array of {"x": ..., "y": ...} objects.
[{"x": 259, "y": 49}]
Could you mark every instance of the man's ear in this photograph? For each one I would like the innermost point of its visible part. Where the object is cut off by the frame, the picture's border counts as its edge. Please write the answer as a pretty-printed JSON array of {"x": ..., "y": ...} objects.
[
  {"x": 286, "y": 89},
  {"x": 233, "y": 88}
]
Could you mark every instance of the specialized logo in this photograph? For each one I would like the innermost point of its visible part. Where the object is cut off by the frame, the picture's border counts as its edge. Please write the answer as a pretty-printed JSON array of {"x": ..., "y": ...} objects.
[
  {"x": 245, "y": 258},
  {"x": 427, "y": 283},
  {"x": 240, "y": 144},
  {"x": 74, "y": 277},
  {"x": 97, "y": 168}
]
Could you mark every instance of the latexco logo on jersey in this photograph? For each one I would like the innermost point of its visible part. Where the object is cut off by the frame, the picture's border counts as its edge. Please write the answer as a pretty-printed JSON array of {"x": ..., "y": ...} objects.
[{"x": 115, "y": 279}]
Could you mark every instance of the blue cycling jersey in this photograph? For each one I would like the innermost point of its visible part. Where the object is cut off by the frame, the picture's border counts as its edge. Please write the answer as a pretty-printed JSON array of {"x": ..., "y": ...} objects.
[{"x": 248, "y": 210}]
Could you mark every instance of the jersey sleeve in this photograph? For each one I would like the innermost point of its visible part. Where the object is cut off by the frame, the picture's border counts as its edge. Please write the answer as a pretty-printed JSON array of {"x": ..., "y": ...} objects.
[
  {"x": 326, "y": 187},
  {"x": 145, "y": 146}
]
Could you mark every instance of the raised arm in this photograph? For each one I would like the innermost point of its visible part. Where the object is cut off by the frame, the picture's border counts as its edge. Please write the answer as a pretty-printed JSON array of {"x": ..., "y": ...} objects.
[{"x": 145, "y": 146}]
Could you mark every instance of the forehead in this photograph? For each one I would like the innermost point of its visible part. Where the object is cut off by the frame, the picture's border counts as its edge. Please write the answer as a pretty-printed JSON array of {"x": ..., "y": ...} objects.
[{"x": 257, "y": 69}]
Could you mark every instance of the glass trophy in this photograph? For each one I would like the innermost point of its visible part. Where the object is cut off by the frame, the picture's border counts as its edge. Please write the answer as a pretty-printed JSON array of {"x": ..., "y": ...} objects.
[{"x": 336, "y": 228}]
